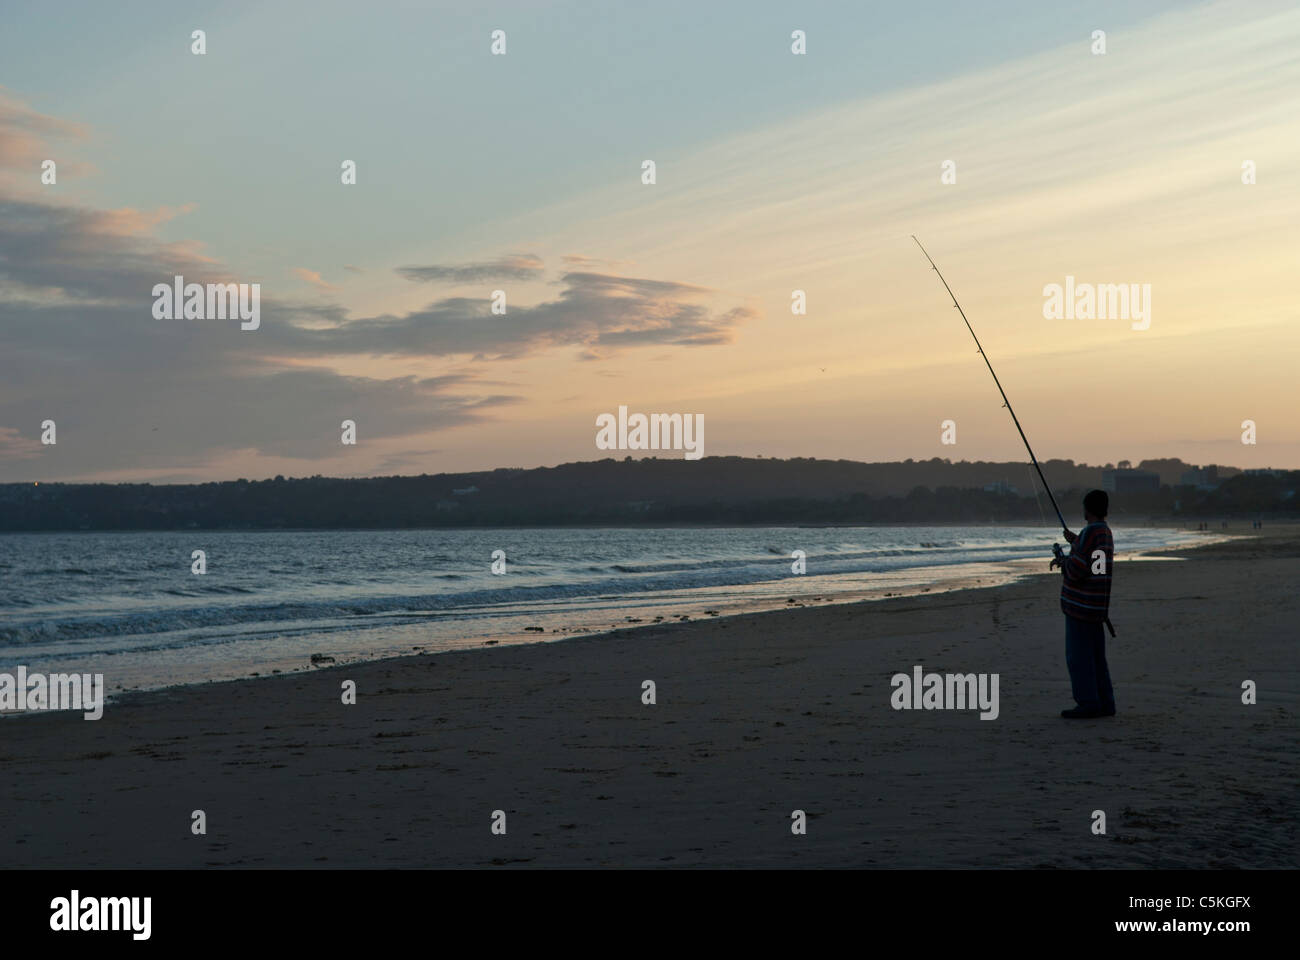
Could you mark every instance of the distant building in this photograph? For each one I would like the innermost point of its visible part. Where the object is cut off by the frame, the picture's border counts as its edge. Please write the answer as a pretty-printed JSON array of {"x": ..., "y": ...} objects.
[
  {"x": 1202, "y": 478},
  {"x": 1130, "y": 481},
  {"x": 464, "y": 491},
  {"x": 1000, "y": 486},
  {"x": 1264, "y": 472}
]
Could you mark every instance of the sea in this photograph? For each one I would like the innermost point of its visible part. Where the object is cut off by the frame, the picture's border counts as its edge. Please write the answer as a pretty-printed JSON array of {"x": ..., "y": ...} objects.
[{"x": 132, "y": 607}]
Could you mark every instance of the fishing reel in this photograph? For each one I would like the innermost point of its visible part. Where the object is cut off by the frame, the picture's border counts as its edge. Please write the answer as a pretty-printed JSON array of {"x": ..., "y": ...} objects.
[{"x": 1060, "y": 557}]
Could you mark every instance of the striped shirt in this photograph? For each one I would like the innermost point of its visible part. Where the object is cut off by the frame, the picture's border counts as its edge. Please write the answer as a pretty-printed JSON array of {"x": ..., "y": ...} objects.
[{"x": 1085, "y": 595}]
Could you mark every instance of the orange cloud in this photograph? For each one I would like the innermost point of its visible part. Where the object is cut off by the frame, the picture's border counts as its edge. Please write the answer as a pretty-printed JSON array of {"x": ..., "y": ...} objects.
[
  {"x": 15, "y": 446},
  {"x": 314, "y": 278},
  {"x": 129, "y": 222},
  {"x": 25, "y": 131}
]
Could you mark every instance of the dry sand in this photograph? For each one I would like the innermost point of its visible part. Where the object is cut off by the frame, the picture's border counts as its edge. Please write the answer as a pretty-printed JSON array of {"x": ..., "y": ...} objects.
[{"x": 757, "y": 716}]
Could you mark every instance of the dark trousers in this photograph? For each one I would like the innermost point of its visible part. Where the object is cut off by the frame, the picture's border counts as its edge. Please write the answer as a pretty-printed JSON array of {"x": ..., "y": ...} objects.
[{"x": 1085, "y": 655}]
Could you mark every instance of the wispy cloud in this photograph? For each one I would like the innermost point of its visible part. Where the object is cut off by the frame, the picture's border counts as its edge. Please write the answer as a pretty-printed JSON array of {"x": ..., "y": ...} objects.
[
  {"x": 26, "y": 133},
  {"x": 586, "y": 263},
  {"x": 314, "y": 278},
  {"x": 515, "y": 266},
  {"x": 598, "y": 312},
  {"x": 15, "y": 445},
  {"x": 129, "y": 222}
]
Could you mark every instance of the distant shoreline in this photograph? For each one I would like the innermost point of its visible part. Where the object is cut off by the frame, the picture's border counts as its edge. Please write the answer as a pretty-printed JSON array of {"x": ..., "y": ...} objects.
[{"x": 713, "y": 491}]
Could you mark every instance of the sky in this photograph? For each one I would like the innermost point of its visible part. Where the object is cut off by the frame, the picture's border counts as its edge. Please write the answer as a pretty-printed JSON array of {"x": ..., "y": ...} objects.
[{"x": 522, "y": 172}]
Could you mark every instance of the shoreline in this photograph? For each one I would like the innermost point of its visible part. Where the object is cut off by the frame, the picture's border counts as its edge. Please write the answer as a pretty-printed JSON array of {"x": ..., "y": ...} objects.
[
  {"x": 651, "y": 609},
  {"x": 1172, "y": 523},
  {"x": 756, "y": 716}
]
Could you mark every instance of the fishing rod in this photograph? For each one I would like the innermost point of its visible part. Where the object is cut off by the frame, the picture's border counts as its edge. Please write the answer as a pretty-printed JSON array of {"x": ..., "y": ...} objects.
[{"x": 1005, "y": 402}]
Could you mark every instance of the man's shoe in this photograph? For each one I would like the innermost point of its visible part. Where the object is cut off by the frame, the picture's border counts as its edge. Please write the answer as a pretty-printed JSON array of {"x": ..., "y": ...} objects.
[{"x": 1079, "y": 713}]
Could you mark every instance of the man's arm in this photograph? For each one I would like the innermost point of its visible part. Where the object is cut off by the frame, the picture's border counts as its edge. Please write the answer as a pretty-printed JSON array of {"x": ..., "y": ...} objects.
[{"x": 1077, "y": 565}]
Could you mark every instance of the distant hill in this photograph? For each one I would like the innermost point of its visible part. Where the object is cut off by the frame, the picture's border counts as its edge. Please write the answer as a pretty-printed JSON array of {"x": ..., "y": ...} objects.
[{"x": 713, "y": 490}]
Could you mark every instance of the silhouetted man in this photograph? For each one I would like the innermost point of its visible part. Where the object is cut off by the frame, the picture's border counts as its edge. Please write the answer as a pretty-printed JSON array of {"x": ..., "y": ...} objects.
[{"x": 1085, "y": 601}]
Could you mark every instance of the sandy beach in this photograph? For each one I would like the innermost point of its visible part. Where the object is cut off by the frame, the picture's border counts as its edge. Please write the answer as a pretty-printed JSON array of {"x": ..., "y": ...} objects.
[{"x": 756, "y": 716}]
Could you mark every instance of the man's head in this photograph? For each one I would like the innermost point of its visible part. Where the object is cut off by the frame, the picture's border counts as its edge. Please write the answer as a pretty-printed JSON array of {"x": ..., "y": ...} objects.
[{"x": 1096, "y": 504}]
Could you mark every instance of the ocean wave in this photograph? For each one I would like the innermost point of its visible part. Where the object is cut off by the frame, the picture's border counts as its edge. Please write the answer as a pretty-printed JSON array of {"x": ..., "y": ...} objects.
[
  {"x": 652, "y": 577},
  {"x": 104, "y": 613}
]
